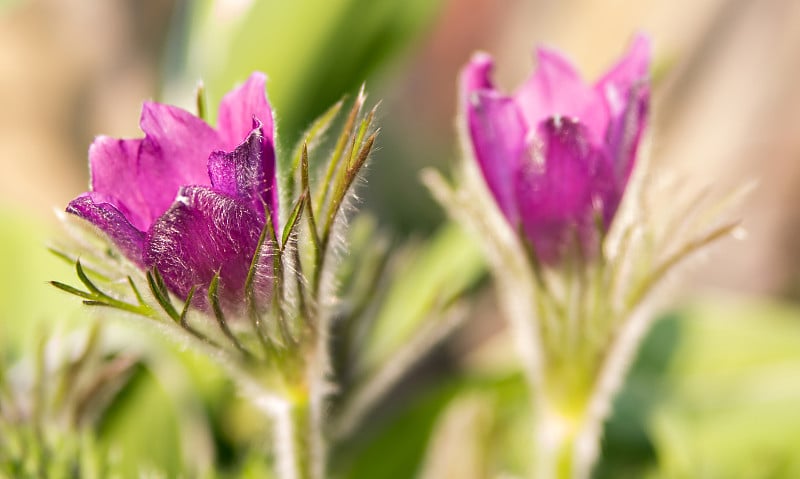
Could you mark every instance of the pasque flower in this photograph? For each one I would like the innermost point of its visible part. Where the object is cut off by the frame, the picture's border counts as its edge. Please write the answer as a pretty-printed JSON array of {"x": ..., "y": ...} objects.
[
  {"x": 557, "y": 153},
  {"x": 189, "y": 199}
]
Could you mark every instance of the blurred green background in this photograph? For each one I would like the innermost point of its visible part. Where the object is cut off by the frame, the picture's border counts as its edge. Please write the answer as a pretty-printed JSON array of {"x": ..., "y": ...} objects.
[{"x": 716, "y": 390}]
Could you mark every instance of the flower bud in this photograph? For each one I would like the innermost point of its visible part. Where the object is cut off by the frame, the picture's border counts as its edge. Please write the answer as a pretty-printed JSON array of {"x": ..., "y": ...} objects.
[{"x": 557, "y": 153}]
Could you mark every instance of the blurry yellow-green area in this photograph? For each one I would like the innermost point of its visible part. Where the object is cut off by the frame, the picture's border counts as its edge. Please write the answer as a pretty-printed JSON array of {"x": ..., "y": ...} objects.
[{"x": 716, "y": 390}]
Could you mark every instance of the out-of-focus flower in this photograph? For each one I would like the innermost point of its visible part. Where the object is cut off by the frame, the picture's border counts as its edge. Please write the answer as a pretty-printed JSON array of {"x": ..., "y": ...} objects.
[
  {"x": 557, "y": 154},
  {"x": 189, "y": 199}
]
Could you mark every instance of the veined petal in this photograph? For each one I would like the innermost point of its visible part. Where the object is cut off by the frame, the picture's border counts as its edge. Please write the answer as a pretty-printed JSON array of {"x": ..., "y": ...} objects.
[
  {"x": 498, "y": 138},
  {"x": 242, "y": 110},
  {"x": 109, "y": 215},
  {"x": 561, "y": 187},
  {"x": 174, "y": 153},
  {"x": 239, "y": 107},
  {"x": 556, "y": 89},
  {"x": 113, "y": 165},
  {"x": 204, "y": 232},
  {"x": 241, "y": 173}
]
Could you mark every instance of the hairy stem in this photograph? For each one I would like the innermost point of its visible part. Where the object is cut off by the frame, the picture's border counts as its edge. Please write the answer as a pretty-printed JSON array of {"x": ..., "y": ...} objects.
[{"x": 289, "y": 443}]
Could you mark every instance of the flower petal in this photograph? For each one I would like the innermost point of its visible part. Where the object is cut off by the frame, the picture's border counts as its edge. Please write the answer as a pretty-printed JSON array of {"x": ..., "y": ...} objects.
[
  {"x": 625, "y": 132},
  {"x": 241, "y": 110},
  {"x": 498, "y": 139},
  {"x": 110, "y": 217},
  {"x": 204, "y": 232},
  {"x": 632, "y": 70},
  {"x": 113, "y": 165},
  {"x": 241, "y": 174},
  {"x": 626, "y": 91},
  {"x": 173, "y": 153},
  {"x": 476, "y": 75},
  {"x": 562, "y": 186},
  {"x": 239, "y": 107},
  {"x": 556, "y": 89}
]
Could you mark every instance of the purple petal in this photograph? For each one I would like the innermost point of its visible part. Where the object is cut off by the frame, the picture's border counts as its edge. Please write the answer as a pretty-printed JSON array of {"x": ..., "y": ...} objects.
[
  {"x": 498, "y": 138},
  {"x": 556, "y": 89},
  {"x": 241, "y": 174},
  {"x": 174, "y": 153},
  {"x": 563, "y": 184},
  {"x": 632, "y": 70},
  {"x": 625, "y": 132},
  {"x": 113, "y": 164},
  {"x": 110, "y": 217},
  {"x": 204, "y": 232},
  {"x": 626, "y": 91},
  {"x": 239, "y": 113},
  {"x": 476, "y": 75},
  {"x": 239, "y": 107}
]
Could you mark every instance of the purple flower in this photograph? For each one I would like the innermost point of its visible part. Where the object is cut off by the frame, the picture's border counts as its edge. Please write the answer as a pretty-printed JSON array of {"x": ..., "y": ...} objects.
[
  {"x": 189, "y": 199},
  {"x": 557, "y": 154}
]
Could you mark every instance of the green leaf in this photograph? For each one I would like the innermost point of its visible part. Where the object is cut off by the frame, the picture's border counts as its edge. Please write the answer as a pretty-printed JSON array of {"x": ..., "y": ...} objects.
[
  {"x": 448, "y": 264},
  {"x": 72, "y": 290}
]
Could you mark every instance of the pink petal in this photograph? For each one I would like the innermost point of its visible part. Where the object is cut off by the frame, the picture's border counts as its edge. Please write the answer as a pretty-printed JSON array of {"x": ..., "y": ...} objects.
[
  {"x": 626, "y": 91},
  {"x": 110, "y": 217},
  {"x": 632, "y": 70},
  {"x": 241, "y": 174},
  {"x": 625, "y": 132},
  {"x": 498, "y": 138},
  {"x": 560, "y": 186},
  {"x": 240, "y": 111},
  {"x": 239, "y": 107},
  {"x": 173, "y": 153},
  {"x": 556, "y": 89},
  {"x": 114, "y": 164},
  {"x": 204, "y": 232},
  {"x": 476, "y": 75}
]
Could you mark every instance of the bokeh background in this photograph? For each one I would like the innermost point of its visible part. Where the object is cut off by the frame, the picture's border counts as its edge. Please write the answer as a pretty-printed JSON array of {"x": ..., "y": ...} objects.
[{"x": 716, "y": 392}]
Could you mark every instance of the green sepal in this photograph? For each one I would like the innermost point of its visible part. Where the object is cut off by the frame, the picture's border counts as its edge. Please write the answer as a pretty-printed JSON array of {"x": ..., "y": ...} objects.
[
  {"x": 312, "y": 136},
  {"x": 96, "y": 297},
  {"x": 294, "y": 219},
  {"x": 213, "y": 300},
  {"x": 312, "y": 222},
  {"x": 160, "y": 292}
]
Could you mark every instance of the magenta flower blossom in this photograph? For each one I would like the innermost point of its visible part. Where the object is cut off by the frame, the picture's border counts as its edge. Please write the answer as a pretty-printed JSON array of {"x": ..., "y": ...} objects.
[
  {"x": 189, "y": 199},
  {"x": 557, "y": 154}
]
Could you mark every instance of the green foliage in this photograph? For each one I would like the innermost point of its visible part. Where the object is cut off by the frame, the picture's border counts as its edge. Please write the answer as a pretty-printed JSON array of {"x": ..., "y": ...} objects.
[
  {"x": 627, "y": 446},
  {"x": 48, "y": 419},
  {"x": 312, "y": 50},
  {"x": 428, "y": 280},
  {"x": 142, "y": 428},
  {"x": 734, "y": 385},
  {"x": 27, "y": 303}
]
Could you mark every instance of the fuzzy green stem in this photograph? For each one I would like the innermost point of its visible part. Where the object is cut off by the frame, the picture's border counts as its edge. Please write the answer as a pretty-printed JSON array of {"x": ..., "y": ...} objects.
[
  {"x": 290, "y": 426},
  {"x": 561, "y": 412},
  {"x": 301, "y": 437},
  {"x": 555, "y": 445}
]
